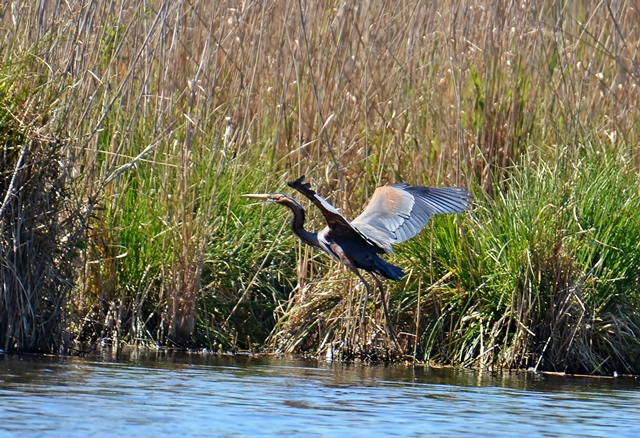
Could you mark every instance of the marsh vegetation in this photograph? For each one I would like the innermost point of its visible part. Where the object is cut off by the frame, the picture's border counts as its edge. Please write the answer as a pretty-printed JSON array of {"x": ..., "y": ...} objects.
[{"x": 129, "y": 129}]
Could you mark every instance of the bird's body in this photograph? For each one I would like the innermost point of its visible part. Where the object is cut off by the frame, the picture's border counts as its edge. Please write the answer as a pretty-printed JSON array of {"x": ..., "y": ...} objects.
[{"x": 395, "y": 213}]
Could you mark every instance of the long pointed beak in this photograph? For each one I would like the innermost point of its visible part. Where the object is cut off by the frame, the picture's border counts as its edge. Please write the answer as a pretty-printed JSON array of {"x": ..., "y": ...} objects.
[{"x": 264, "y": 196}]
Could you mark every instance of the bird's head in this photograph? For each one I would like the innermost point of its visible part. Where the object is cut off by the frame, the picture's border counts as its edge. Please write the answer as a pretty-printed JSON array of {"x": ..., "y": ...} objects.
[
  {"x": 297, "y": 217},
  {"x": 278, "y": 198}
]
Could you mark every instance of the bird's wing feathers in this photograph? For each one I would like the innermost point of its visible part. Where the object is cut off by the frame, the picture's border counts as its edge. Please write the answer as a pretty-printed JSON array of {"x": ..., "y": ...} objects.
[
  {"x": 398, "y": 212},
  {"x": 331, "y": 214},
  {"x": 336, "y": 222}
]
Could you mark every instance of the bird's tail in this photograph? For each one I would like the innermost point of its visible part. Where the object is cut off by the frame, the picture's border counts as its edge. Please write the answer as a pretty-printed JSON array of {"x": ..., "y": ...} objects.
[{"x": 388, "y": 270}]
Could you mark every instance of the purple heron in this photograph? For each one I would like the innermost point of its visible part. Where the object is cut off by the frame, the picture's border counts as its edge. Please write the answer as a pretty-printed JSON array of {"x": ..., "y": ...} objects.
[{"x": 395, "y": 213}]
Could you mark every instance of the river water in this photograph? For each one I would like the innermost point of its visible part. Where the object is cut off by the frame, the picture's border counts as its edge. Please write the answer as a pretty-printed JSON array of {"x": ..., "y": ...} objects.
[{"x": 183, "y": 395}]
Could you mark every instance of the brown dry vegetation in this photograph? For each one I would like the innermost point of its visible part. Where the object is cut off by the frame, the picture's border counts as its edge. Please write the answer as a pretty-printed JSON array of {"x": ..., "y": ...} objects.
[{"x": 146, "y": 119}]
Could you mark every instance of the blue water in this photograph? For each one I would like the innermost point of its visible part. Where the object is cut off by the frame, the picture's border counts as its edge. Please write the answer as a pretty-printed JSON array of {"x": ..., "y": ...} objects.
[{"x": 203, "y": 395}]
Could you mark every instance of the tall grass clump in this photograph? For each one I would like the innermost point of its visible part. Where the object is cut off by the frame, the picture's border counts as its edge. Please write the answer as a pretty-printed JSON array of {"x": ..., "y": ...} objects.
[
  {"x": 546, "y": 273},
  {"x": 39, "y": 223},
  {"x": 158, "y": 114},
  {"x": 516, "y": 78},
  {"x": 155, "y": 125}
]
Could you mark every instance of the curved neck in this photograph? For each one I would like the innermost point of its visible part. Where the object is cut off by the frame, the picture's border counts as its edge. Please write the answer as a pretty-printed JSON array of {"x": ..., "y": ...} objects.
[{"x": 297, "y": 224}]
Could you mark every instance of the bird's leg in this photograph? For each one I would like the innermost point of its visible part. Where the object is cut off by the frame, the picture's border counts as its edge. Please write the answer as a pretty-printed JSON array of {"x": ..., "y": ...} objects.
[
  {"x": 363, "y": 317},
  {"x": 389, "y": 323}
]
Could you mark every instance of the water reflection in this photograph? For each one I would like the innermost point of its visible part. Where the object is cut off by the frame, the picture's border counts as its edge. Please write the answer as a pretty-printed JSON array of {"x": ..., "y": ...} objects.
[{"x": 160, "y": 394}]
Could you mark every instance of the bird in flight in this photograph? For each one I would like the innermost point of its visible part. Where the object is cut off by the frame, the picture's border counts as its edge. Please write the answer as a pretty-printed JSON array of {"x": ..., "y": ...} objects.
[{"x": 395, "y": 213}]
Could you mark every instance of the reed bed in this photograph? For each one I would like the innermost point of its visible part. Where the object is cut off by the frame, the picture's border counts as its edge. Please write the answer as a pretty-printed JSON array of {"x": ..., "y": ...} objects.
[{"x": 143, "y": 121}]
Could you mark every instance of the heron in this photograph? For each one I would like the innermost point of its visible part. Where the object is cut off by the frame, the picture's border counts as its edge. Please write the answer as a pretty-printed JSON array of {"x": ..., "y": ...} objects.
[{"x": 394, "y": 214}]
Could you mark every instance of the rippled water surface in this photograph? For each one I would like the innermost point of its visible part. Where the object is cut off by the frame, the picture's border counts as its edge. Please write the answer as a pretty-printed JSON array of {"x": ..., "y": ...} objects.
[{"x": 196, "y": 395}]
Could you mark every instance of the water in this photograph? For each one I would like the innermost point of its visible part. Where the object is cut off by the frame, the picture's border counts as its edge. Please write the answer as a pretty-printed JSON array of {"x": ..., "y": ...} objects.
[{"x": 201, "y": 395}]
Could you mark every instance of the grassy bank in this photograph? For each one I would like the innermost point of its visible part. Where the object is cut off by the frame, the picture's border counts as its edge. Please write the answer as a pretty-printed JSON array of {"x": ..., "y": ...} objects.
[
  {"x": 139, "y": 124},
  {"x": 543, "y": 275}
]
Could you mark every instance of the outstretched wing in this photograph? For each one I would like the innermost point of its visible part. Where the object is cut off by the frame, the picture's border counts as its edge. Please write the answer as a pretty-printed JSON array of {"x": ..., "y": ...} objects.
[{"x": 397, "y": 212}]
